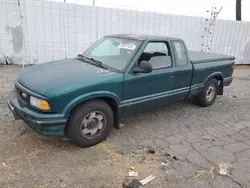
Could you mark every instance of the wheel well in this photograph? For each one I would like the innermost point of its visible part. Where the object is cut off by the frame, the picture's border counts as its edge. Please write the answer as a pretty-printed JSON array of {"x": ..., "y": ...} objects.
[
  {"x": 219, "y": 78},
  {"x": 111, "y": 102}
]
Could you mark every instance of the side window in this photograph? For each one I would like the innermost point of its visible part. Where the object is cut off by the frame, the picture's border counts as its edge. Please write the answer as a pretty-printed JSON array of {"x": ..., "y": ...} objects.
[
  {"x": 181, "y": 54},
  {"x": 106, "y": 49},
  {"x": 156, "y": 47},
  {"x": 157, "y": 54}
]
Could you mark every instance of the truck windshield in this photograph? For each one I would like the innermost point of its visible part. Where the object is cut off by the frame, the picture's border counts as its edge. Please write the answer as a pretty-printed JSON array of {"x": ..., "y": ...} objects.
[{"x": 113, "y": 52}]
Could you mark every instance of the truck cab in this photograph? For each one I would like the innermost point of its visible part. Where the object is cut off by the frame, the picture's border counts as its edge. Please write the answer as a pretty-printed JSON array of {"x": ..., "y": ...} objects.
[{"x": 171, "y": 72}]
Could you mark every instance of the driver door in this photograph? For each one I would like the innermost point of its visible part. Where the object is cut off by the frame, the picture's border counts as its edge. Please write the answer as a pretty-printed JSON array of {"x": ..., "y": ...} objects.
[{"x": 154, "y": 87}]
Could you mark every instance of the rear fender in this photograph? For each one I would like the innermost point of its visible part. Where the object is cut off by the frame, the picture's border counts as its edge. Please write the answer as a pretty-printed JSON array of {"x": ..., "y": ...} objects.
[
  {"x": 214, "y": 75},
  {"x": 219, "y": 77}
]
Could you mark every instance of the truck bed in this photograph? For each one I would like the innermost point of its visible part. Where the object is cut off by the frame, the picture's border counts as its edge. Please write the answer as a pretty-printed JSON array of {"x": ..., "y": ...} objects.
[
  {"x": 202, "y": 57},
  {"x": 206, "y": 65}
]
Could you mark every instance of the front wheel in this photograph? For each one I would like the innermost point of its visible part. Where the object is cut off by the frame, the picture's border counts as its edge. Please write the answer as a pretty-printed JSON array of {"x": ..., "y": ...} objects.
[
  {"x": 209, "y": 93},
  {"x": 90, "y": 123}
]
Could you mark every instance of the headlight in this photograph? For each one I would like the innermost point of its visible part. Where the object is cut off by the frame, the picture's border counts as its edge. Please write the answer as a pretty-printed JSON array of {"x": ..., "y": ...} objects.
[{"x": 39, "y": 103}]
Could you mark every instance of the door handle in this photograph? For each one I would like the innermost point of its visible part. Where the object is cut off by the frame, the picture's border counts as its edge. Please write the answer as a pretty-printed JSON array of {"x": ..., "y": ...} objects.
[{"x": 171, "y": 76}]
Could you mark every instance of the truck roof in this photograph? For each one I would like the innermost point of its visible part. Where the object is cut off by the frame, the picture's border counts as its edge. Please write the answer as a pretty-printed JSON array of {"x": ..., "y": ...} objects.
[{"x": 142, "y": 37}]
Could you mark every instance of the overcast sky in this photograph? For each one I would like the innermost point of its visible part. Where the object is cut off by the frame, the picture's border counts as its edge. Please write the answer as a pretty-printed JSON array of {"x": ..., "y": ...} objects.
[{"x": 181, "y": 7}]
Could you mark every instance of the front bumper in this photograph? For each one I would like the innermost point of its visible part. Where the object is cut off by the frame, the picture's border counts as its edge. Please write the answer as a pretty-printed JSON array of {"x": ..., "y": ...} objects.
[{"x": 44, "y": 123}]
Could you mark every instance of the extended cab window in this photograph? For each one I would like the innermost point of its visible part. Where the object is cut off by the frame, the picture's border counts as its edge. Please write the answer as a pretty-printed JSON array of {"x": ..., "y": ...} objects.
[
  {"x": 156, "y": 47},
  {"x": 181, "y": 54},
  {"x": 157, "y": 54}
]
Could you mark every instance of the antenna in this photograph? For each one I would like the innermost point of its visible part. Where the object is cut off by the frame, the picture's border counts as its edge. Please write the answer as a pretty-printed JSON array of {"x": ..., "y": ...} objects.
[{"x": 209, "y": 29}]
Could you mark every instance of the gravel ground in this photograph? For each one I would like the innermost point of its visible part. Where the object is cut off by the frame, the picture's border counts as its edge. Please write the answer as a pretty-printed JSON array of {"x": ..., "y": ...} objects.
[{"x": 191, "y": 141}]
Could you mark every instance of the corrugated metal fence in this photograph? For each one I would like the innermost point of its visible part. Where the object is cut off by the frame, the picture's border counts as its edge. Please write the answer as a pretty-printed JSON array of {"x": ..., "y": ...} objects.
[{"x": 39, "y": 31}]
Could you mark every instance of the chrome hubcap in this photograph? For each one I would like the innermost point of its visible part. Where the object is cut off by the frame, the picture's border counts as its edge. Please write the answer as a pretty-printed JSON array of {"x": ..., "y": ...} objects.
[
  {"x": 93, "y": 124},
  {"x": 210, "y": 93}
]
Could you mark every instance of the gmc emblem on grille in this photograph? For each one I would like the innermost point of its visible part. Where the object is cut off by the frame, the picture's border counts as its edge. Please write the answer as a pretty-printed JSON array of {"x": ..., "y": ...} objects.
[{"x": 24, "y": 95}]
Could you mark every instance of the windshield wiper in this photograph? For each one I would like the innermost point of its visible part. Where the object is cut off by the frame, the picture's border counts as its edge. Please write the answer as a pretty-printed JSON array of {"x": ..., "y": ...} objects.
[{"x": 92, "y": 60}]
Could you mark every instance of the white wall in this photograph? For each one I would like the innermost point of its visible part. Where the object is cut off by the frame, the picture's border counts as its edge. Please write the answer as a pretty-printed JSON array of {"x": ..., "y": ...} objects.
[
  {"x": 11, "y": 32},
  {"x": 53, "y": 30}
]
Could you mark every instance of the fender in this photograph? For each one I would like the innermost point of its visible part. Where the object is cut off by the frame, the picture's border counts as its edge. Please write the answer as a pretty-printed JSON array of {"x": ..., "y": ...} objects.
[
  {"x": 215, "y": 74},
  {"x": 88, "y": 96},
  {"x": 197, "y": 88}
]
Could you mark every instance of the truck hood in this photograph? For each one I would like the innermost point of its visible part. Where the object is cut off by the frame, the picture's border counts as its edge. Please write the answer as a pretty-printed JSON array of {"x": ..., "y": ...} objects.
[{"x": 58, "y": 77}]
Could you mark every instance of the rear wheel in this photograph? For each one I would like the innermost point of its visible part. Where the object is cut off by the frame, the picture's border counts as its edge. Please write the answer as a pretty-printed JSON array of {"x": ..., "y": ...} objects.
[
  {"x": 90, "y": 123},
  {"x": 209, "y": 93}
]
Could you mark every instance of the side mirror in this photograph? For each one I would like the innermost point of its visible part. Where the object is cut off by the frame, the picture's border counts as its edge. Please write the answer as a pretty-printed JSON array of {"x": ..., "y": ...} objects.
[{"x": 144, "y": 67}]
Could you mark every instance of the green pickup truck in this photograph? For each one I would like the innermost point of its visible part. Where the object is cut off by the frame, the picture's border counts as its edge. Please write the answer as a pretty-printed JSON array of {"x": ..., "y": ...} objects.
[{"x": 83, "y": 97}]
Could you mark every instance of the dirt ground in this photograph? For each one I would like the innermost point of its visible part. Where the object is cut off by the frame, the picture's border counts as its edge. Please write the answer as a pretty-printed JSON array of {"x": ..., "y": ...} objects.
[{"x": 189, "y": 144}]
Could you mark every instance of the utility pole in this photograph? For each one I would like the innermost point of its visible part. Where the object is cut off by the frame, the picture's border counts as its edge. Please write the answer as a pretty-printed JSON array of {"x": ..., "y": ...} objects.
[
  {"x": 93, "y": 2},
  {"x": 238, "y": 10}
]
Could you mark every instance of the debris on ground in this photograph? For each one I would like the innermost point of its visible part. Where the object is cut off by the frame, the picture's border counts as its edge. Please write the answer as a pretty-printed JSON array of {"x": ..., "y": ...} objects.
[
  {"x": 225, "y": 169},
  {"x": 131, "y": 184},
  {"x": 171, "y": 157},
  {"x": 199, "y": 173},
  {"x": 136, "y": 128},
  {"x": 132, "y": 174},
  {"x": 234, "y": 96},
  {"x": 151, "y": 151},
  {"x": 132, "y": 168},
  {"x": 141, "y": 159},
  {"x": 134, "y": 152},
  {"x": 167, "y": 155},
  {"x": 175, "y": 158},
  {"x": 65, "y": 139},
  {"x": 121, "y": 125},
  {"x": 20, "y": 127},
  {"x": 22, "y": 131},
  {"x": 206, "y": 137},
  {"x": 147, "y": 179},
  {"x": 5, "y": 60},
  {"x": 164, "y": 164},
  {"x": 4, "y": 164},
  {"x": 210, "y": 172}
]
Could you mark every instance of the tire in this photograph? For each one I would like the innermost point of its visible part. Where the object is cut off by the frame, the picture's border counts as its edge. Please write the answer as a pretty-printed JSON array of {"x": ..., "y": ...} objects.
[
  {"x": 90, "y": 123},
  {"x": 210, "y": 87}
]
